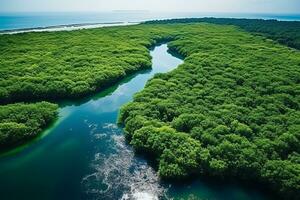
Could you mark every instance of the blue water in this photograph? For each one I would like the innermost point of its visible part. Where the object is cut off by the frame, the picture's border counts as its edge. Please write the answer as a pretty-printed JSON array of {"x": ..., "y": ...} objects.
[{"x": 12, "y": 21}]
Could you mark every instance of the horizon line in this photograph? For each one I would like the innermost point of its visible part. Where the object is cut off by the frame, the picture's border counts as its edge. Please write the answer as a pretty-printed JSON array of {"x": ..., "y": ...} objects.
[{"x": 153, "y": 11}]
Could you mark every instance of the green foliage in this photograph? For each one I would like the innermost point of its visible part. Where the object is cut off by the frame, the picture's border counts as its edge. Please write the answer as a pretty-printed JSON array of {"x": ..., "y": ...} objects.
[
  {"x": 241, "y": 129},
  {"x": 20, "y": 122},
  {"x": 284, "y": 32},
  {"x": 178, "y": 153},
  {"x": 186, "y": 122},
  {"x": 232, "y": 109},
  {"x": 285, "y": 175},
  {"x": 73, "y": 63}
]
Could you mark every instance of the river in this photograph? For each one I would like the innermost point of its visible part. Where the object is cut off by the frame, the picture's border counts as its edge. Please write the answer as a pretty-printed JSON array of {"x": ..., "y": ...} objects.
[{"x": 84, "y": 154}]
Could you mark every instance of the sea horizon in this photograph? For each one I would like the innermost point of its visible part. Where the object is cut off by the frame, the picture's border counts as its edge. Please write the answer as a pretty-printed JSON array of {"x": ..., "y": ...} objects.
[{"x": 10, "y": 21}]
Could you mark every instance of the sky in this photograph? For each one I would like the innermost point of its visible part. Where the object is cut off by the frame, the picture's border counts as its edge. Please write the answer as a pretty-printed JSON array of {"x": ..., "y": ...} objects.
[{"x": 236, "y": 6}]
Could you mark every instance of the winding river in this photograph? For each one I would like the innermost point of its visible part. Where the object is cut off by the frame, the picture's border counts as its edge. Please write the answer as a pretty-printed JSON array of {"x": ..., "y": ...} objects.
[{"x": 84, "y": 154}]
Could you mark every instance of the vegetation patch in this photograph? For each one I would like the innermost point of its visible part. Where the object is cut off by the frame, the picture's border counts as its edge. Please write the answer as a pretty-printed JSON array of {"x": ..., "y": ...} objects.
[
  {"x": 71, "y": 64},
  {"x": 232, "y": 109},
  {"x": 284, "y": 32},
  {"x": 20, "y": 122}
]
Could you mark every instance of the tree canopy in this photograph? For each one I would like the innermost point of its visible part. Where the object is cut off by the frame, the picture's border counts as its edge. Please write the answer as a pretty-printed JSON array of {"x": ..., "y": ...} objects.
[
  {"x": 284, "y": 32},
  {"x": 231, "y": 110},
  {"x": 20, "y": 122}
]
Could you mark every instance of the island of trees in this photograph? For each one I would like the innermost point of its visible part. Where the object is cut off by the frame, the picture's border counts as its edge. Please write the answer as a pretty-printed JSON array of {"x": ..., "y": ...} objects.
[
  {"x": 231, "y": 110},
  {"x": 20, "y": 122}
]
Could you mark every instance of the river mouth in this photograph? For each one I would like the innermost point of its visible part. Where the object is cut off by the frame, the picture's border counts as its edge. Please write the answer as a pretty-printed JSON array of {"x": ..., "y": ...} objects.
[{"x": 85, "y": 155}]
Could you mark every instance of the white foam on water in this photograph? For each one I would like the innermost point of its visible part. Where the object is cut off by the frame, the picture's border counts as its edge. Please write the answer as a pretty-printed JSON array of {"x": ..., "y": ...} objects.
[
  {"x": 139, "y": 196},
  {"x": 110, "y": 126},
  {"x": 99, "y": 136},
  {"x": 144, "y": 196},
  {"x": 120, "y": 174}
]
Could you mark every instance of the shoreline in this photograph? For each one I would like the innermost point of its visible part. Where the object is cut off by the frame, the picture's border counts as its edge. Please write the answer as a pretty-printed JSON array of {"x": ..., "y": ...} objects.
[
  {"x": 120, "y": 22},
  {"x": 69, "y": 27}
]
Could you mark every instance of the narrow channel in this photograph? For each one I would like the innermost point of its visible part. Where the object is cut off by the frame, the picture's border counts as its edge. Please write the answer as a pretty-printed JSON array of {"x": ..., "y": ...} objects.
[{"x": 84, "y": 154}]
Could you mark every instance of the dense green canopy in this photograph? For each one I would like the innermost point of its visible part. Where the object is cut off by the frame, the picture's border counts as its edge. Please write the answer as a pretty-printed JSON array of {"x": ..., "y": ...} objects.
[
  {"x": 69, "y": 64},
  {"x": 20, "y": 122},
  {"x": 284, "y": 32},
  {"x": 232, "y": 109}
]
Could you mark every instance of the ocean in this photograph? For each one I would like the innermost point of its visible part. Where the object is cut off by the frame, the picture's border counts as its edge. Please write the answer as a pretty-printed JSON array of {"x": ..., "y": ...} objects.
[{"x": 15, "y": 21}]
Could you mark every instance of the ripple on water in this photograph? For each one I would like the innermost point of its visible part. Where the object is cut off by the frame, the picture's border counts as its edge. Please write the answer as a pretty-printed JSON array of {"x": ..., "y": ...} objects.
[{"x": 119, "y": 174}]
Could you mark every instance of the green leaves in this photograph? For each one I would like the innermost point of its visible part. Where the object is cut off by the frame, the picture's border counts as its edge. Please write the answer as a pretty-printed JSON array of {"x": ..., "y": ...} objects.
[
  {"x": 283, "y": 174},
  {"x": 20, "y": 122},
  {"x": 178, "y": 154},
  {"x": 89, "y": 60},
  {"x": 186, "y": 122}
]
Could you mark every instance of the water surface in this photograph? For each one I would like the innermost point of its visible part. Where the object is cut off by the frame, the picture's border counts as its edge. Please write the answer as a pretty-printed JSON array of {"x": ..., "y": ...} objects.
[
  {"x": 13, "y": 21},
  {"x": 84, "y": 155}
]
